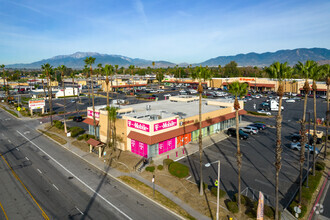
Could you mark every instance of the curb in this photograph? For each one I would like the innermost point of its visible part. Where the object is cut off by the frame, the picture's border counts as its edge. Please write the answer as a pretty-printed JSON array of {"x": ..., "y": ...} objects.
[{"x": 120, "y": 181}]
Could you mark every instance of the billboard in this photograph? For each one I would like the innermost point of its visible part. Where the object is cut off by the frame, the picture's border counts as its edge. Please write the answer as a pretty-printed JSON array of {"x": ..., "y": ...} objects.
[{"x": 36, "y": 103}]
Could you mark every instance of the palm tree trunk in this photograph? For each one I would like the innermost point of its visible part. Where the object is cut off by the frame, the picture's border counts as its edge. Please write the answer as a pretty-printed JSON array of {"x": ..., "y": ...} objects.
[
  {"x": 94, "y": 122},
  {"x": 108, "y": 124},
  {"x": 74, "y": 94},
  {"x": 327, "y": 121},
  {"x": 50, "y": 99},
  {"x": 89, "y": 93},
  {"x": 43, "y": 87},
  {"x": 278, "y": 157},
  {"x": 201, "y": 190},
  {"x": 239, "y": 161},
  {"x": 65, "y": 128},
  {"x": 302, "y": 149},
  {"x": 314, "y": 135}
]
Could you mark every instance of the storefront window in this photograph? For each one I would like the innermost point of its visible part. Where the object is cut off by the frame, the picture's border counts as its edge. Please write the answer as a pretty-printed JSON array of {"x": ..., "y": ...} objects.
[{"x": 91, "y": 130}]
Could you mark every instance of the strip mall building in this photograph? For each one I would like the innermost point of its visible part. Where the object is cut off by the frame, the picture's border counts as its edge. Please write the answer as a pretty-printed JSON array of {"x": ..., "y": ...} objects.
[{"x": 154, "y": 128}]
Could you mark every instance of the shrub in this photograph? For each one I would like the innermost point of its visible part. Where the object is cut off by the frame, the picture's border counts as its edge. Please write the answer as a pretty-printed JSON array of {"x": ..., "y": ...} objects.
[
  {"x": 303, "y": 209},
  {"x": 71, "y": 117},
  {"x": 222, "y": 193},
  {"x": 167, "y": 162},
  {"x": 75, "y": 131},
  {"x": 160, "y": 167},
  {"x": 232, "y": 207},
  {"x": 320, "y": 166},
  {"x": 244, "y": 199},
  {"x": 58, "y": 124},
  {"x": 86, "y": 137},
  {"x": 205, "y": 186},
  {"x": 150, "y": 169},
  {"x": 80, "y": 137},
  {"x": 269, "y": 212},
  {"x": 178, "y": 169}
]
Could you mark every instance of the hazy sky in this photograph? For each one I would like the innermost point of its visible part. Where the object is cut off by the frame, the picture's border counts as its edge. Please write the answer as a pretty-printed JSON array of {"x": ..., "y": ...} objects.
[{"x": 173, "y": 30}]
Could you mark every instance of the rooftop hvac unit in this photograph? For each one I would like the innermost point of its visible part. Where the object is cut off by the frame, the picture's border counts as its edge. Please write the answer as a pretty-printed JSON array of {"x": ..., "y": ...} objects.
[{"x": 155, "y": 117}]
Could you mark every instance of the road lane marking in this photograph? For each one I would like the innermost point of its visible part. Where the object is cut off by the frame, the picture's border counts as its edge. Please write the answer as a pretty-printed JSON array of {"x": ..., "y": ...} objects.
[
  {"x": 17, "y": 149},
  {"x": 26, "y": 158},
  {"x": 15, "y": 175},
  {"x": 39, "y": 171},
  {"x": 82, "y": 182},
  {"x": 56, "y": 187},
  {"x": 9, "y": 141},
  {"x": 79, "y": 211},
  {"x": 3, "y": 210}
]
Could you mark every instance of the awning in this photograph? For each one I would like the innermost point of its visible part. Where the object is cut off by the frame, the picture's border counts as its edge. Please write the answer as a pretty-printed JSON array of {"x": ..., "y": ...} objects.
[
  {"x": 180, "y": 131},
  {"x": 90, "y": 121},
  {"x": 254, "y": 84},
  {"x": 94, "y": 142}
]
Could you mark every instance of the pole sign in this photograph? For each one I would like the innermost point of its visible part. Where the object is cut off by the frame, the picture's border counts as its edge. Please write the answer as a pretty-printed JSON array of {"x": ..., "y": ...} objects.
[
  {"x": 260, "y": 210},
  {"x": 36, "y": 103}
]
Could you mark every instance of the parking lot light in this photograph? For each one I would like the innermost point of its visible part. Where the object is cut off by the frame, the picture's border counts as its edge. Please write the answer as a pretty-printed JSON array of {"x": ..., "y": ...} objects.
[{"x": 218, "y": 186}]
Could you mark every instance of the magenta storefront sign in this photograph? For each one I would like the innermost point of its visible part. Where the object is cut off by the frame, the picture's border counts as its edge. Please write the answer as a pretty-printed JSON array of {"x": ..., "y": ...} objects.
[
  {"x": 167, "y": 145},
  {"x": 90, "y": 114},
  {"x": 165, "y": 124},
  {"x": 139, "y": 148},
  {"x": 138, "y": 125}
]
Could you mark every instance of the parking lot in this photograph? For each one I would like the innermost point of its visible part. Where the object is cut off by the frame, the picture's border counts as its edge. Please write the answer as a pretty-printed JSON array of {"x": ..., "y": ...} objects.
[{"x": 258, "y": 171}]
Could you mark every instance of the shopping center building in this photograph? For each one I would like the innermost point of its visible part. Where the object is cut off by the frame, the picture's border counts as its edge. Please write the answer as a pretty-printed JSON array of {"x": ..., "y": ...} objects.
[{"x": 154, "y": 128}]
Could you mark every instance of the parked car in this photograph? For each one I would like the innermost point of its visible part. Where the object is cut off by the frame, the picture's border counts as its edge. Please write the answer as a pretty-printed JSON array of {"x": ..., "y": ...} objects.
[
  {"x": 260, "y": 126},
  {"x": 153, "y": 91},
  {"x": 161, "y": 90},
  {"x": 264, "y": 112},
  {"x": 297, "y": 146},
  {"x": 290, "y": 100},
  {"x": 72, "y": 101},
  {"x": 232, "y": 133},
  {"x": 250, "y": 129},
  {"x": 297, "y": 138},
  {"x": 77, "y": 118}
]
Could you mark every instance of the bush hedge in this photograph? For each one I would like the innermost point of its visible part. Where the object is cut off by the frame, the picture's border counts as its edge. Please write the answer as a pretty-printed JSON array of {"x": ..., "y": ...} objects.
[
  {"x": 160, "y": 167},
  {"x": 244, "y": 199},
  {"x": 58, "y": 124},
  {"x": 222, "y": 193},
  {"x": 86, "y": 137},
  {"x": 232, "y": 206},
  {"x": 167, "y": 162},
  {"x": 320, "y": 166},
  {"x": 150, "y": 169},
  {"x": 178, "y": 169},
  {"x": 75, "y": 131}
]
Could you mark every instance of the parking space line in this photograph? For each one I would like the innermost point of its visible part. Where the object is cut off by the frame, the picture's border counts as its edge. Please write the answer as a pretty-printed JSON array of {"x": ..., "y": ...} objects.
[
  {"x": 262, "y": 182},
  {"x": 56, "y": 187}
]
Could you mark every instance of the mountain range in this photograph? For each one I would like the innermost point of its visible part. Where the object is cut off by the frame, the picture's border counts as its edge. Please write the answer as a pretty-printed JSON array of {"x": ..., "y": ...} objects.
[{"x": 76, "y": 60}]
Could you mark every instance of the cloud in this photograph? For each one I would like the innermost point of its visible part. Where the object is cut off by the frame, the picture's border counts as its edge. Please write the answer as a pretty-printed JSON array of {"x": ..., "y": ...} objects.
[{"x": 139, "y": 7}]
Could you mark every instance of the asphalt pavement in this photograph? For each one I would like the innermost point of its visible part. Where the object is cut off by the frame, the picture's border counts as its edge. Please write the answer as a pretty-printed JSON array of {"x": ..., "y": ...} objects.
[{"x": 46, "y": 178}]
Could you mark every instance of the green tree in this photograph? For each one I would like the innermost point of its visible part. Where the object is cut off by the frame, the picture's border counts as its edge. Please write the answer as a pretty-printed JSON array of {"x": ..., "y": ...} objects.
[
  {"x": 62, "y": 69},
  {"x": 278, "y": 71},
  {"x": 198, "y": 74},
  {"x": 327, "y": 80},
  {"x": 73, "y": 76},
  {"x": 316, "y": 73},
  {"x": 231, "y": 69},
  {"x": 89, "y": 61},
  {"x": 48, "y": 71},
  {"x": 238, "y": 89}
]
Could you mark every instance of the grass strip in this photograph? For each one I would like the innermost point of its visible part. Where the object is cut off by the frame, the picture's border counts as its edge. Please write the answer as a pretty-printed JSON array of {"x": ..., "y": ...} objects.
[
  {"x": 11, "y": 112},
  {"x": 148, "y": 191},
  {"x": 54, "y": 137}
]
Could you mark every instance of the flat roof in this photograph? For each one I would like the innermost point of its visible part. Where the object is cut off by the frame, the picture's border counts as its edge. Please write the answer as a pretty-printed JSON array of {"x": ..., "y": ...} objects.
[{"x": 167, "y": 109}]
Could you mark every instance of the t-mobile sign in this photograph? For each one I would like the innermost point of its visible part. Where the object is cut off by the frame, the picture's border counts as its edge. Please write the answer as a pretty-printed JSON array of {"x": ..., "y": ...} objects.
[
  {"x": 167, "y": 145},
  {"x": 138, "y": 125},
  {"x": 165, "y": 124},
  {"x": 90, "y": 114},
  {"x": 139, "y": 148}
]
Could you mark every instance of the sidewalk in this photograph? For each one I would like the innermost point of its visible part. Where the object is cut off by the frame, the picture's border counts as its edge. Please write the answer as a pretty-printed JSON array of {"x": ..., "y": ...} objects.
[{"x": 96, "y": 162}]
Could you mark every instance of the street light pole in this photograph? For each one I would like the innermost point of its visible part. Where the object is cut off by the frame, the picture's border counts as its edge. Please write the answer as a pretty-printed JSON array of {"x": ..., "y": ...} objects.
[{"x": 218, "y": 186}]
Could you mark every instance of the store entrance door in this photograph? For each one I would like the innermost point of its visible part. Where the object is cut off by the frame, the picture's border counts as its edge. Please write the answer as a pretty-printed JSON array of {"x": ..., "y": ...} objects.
[{"x": 153, "y": 150}]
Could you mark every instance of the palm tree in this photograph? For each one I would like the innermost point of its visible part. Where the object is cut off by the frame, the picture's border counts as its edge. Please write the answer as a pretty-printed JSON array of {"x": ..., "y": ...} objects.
[
  {"x": 72, "y": 76},
  {"x": 48, "y": 70},
  {"x": 2, "y": 66},
  {"x": 107, "y": 70},
  {"x": 113, "y": 117},
  {"x": 89, "y": 61},
  {"x": 316, "y": 73},
  {"x": 131, "y": 67},
  {"x": 278, "y": 71},
  {"x": 42, "y": 77},
  {"x": 62, "y": 69},
  {"x": 304, "y": 70},
  {"x": 197, "y": 74},
  {"x": 116, "y": 67},
  {"x": 327, "y": 78},
  {"x": 238, "y": 89},
  {"x": 86, "y": 70}
]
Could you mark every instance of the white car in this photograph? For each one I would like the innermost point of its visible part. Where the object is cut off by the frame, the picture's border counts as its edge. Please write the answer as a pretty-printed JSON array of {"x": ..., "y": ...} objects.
[
  {"x": 153, "y": 91},
  {"x": 290, "y": 100},
  {"x": 264, "y": 112},
  {"x": 285, "y": 97},
  {"x": 323, "y": 97},
  {"x": 250, "y": 129},
  {"x": 161, "y": 90},
  {"x": 167, "y": 95},
  {"x": 257, "y": 96}
]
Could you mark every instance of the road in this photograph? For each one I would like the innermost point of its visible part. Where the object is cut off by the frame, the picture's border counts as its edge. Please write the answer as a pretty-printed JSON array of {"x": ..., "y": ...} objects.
[{"x": 41, "y": 180}]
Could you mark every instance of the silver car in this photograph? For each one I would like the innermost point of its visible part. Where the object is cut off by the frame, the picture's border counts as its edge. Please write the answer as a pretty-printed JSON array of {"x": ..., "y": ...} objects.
[
  {"x": 297, "y": 146},
  {"x": 250, "y": 129}
]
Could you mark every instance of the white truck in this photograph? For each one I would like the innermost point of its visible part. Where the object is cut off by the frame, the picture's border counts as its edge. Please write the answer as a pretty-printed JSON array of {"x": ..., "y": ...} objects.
[{"x": 274, "y": 105}]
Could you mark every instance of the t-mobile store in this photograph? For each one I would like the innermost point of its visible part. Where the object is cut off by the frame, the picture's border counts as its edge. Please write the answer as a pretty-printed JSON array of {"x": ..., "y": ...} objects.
[{"x": 152, "y": 138}]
